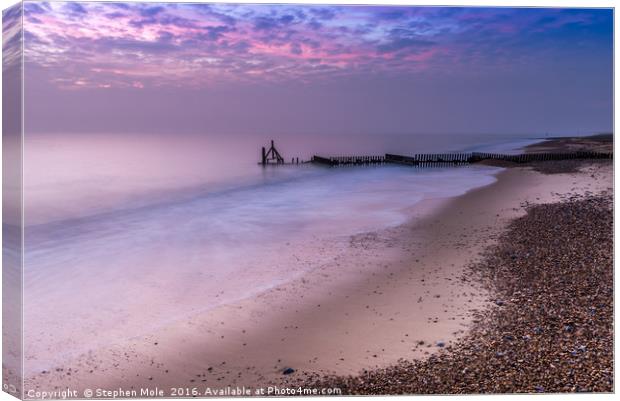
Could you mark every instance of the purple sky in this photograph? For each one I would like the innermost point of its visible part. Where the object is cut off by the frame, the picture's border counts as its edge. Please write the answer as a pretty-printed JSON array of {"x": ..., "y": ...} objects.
[{"x": 260, "y": 69}]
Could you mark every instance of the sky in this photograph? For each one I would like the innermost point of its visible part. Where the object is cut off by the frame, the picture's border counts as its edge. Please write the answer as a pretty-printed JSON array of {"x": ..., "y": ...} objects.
[{"x": 256, "y": 69}]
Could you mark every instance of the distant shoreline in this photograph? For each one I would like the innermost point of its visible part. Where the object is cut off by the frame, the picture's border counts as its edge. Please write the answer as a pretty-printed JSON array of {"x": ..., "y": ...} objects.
[{"x": 594, "y": 143}]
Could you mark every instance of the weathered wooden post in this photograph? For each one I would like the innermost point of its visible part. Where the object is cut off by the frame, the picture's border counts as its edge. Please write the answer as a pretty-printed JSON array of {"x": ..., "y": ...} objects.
[{"x": 271, "y": 155}]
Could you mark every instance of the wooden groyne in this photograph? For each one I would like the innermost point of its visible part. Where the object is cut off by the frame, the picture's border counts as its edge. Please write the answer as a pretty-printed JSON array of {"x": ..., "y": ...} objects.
[
  {"x": 530, "y": 157},
  {"x": 273, "y": 156},
  {"x": 431, "y": 160},
  {"x": 349, "y": 160},
  {"x": 453, "y": 159}
]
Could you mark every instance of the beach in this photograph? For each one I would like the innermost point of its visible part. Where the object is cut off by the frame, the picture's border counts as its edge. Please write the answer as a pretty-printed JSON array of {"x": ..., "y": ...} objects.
[
  {"x": 379, "y": 301},
  {"x": 550, "y": 329}
]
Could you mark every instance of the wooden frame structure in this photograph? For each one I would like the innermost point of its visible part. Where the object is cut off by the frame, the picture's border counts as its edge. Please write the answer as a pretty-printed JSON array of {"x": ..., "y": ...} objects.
[{"x": 271, "y": 156}]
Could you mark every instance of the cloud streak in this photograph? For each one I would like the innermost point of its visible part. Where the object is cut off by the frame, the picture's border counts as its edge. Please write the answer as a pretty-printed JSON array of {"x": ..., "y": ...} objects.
[{"x": 133, "y": 45}]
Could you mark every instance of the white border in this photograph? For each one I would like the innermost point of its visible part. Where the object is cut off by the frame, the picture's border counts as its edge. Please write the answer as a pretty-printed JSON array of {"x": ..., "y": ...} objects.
[{"x": 489, "y": 3}]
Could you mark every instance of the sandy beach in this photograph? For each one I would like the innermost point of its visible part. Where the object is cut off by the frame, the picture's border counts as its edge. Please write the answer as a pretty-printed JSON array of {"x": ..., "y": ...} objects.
[
  {"x": 550, "y": 327},
  {"x": 402, "y": 294}
]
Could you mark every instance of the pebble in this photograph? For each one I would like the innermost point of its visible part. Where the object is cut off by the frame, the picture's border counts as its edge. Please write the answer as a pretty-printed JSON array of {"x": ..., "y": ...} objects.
[{"x": 560, "y": 292}]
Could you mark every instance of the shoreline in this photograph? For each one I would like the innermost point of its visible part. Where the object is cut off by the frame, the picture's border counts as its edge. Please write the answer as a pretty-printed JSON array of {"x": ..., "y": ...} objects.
[
  {"x": 351, "y": 315},
  {"x": 593, "y": 143},
  {"x": 550, "y": 329}
]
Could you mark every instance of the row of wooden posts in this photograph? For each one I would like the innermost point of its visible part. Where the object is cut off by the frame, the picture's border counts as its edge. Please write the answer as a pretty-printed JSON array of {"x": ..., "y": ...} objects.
[{"x": 454, "y": 159}]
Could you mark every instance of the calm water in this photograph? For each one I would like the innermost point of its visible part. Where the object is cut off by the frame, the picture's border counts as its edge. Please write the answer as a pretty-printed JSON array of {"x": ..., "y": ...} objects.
[{"x": 125, "y": 233}]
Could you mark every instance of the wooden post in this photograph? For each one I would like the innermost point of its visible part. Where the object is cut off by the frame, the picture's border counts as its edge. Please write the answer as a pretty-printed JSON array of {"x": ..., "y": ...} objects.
[{"x": 264, "y": 158}]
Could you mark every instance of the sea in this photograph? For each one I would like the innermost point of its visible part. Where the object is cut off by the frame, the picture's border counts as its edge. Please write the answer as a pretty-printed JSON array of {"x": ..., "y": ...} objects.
[{"x": 125, "y": 233}]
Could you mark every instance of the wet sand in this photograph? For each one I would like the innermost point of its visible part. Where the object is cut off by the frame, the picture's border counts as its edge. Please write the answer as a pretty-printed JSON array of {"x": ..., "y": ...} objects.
[
  {"x": 550, "y": 329},
  {"x": 402, "y": 293}
]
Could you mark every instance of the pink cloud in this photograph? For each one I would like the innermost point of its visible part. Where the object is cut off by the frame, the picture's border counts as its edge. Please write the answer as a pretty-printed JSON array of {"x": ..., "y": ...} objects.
[{"x": 194, "y": 45}]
